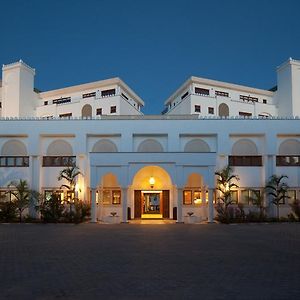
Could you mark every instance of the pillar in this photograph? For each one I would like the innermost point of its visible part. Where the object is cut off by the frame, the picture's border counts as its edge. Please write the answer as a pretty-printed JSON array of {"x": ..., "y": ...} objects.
[
  {"x": 124, "y": 205},
  {"x": 179, "y": 205},
  {"x": 34, "y": 164},
  {"x": 210, "y": 205},
  {"x": 93, "y": 206}
]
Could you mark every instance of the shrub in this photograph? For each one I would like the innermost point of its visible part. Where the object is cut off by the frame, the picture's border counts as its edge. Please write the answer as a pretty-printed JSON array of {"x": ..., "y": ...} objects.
[
  {"x": 8, "y": 211},
  {"x": 51, "y": 210}
]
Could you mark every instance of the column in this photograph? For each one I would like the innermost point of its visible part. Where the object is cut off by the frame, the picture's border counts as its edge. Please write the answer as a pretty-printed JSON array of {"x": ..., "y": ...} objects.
[
  {"x": 124, "y": 205},
  {"x": 93, "y": 206},
  {"x": 35, "y": 181},
  {"x": 179, "y": 205},
  {"x": 210, "y": 206}
]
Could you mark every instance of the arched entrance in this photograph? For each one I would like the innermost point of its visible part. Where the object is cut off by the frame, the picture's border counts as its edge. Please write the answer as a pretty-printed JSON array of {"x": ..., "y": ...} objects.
[{"x": 152, "y": 186}]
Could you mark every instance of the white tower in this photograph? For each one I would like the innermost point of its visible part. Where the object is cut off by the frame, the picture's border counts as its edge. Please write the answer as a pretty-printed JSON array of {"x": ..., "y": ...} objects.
[
  {"x": 18, "y": 97},
  {"x": 288, "y": 91}
]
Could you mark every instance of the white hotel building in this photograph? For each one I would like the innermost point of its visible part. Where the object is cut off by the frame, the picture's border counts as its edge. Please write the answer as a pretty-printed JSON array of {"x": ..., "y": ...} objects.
[{"x": 158, "y": 165}]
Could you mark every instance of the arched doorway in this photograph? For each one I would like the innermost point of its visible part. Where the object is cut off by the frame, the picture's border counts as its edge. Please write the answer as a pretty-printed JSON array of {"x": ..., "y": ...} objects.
[
  {"x": 151, "y": 186},
  {"x": 86, "y": 111},
  {"x": 223, "y": 110}
]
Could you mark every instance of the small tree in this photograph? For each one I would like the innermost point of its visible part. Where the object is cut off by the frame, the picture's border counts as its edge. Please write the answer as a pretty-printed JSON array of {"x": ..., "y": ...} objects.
[
  {"x": 70, "y": 175},
  {"x": 225, "y": 184},
  {"x": 22, "y": 196},
  {"x": 277, "y": 190}
]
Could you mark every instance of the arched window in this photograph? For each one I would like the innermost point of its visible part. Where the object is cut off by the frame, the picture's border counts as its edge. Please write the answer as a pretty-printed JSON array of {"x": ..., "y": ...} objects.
[
  {"x": 223, "y": 110},
  {"x": 14, "y": 154},
  {"x": 59, "y": 154},
  {"x": 150, "y": 145},
  {"x": 245, "y": 153},
  {"x": 196, "y": 145},
  {"x": 104, "y": 146},
  {"x": 14, "y": 148},
  {"x": 289, "y": 153},
  {"x": 86, "y": 111}
]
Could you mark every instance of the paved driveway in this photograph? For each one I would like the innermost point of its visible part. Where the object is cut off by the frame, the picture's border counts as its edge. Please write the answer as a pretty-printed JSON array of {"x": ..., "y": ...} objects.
[{"x": 130, "y": 261}]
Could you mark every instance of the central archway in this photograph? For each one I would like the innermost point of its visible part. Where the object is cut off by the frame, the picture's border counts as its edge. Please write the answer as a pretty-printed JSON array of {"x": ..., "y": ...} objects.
[{"x": 151, "y": 186}]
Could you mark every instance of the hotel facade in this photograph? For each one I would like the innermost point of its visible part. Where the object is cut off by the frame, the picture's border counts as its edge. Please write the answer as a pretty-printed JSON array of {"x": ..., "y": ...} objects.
[{"x": 139, "y": 165}]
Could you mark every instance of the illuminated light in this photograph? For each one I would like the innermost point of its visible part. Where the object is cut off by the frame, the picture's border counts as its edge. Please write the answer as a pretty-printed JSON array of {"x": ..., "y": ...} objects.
[
  {"x": 151, "y": 181},
  {"x": 226, "y": 186}
]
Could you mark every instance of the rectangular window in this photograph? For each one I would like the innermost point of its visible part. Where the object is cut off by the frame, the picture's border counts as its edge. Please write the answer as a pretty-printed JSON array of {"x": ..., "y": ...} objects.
[
  {"x": 288, "y": 160},
  {"x": 184, "y": 95},
  {"x": 116, "y": 197},
  {"x": 245, "y": 161},
  {"x": 108, "y": 93},
  {"x": 292, "y": 196},
  {"x": 197, "y": 108},
  {"x": 201, "y": 91},
  {"x": 211, "y": 110},
  {"x": 197, "y": 197},
  {"x": 187, "y": 197},
  {"x": 222, "y": 94},
  {"x": 61, "y": 100},
  {"x": 99, "y": 111},
  {"x": 14, "y": 161},
  {"x": 113, "y": 109},
  {"x": 264, "y": 101},
  {"x": 248, "y": 98},
  {"x": 88, "y": 95},
  {"x": 234, "y": 196},
  {"x": 67, "y": 115},
  {"x": 248, "y": 196},
  {"x": 45, "y": 102},
  {"x": 106, "y": 197},
  {"x": 59, "y": 161},
  {"x": 0, "y": 104},
  {"x": 245, "y": 114}
]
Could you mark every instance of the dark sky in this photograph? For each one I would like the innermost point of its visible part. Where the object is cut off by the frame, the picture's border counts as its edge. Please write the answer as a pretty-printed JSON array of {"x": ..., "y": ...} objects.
[{"x": 154, "y": 46}]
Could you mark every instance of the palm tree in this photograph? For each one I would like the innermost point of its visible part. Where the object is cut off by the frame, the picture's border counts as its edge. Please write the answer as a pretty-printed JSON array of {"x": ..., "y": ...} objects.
[
  {"x": 226, "y": 185},
  {"x": 22, "y": 196},
  {"x": 277, "y": 190},
  {"x": 69, "y": 174}
]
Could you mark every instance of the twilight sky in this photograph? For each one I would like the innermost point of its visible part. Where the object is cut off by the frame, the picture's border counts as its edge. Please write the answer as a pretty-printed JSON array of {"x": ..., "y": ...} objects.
[{"x": 153, "y": 45}]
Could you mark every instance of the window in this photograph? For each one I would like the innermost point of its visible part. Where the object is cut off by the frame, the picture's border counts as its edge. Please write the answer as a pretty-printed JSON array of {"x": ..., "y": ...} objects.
[
  {"x": 49, "y": 193},
  {"x": 61, "y": 100},
  {"x": 248, "y": 195},
  {"x": 292, "y": 194},
  {"x": 111, "y": 197},
  {"x": 201, "y": 91},
  {"x": 222, "y": 94},
  {"x": 7, "y": 196},
  {"x": 245, "y": 161},
  {"x": 264, "y": 101},
  {"x": 116, "y": 197},
  {"x": 245, "y": 114},
  {"x": 197, "y": 197},
  {"x": 187, "y": 197},
  {"x": 93, "y": 94},
  {"x": 14, "y": 161},
  {"x": 287, "y": 160},
  {"x": 45, "y": 102},
  {"x": 211, "y": 110},
  {"x": 59, "y": 161},
  {"x": 184, "y": 95},
  {"x": 99, "y": 111},
  {"x": 67, "y": 115},
  {"x": 248, "y": 98},
  {"x": 113, "y": 109},
  {"x": 108, "y": 93},
  {"x": 0, "y": 104},
  {"x": 234, "y": 197},
  {"x": 197, "y": 108}
]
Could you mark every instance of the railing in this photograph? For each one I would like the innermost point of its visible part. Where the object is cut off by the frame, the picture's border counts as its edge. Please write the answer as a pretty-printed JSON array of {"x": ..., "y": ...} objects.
[
  {"x": 245, "y": 161},
  {"x": 288, "y": 160},
  {"x": 14, "y": 161},
  {"x": 59, "y": 161}
]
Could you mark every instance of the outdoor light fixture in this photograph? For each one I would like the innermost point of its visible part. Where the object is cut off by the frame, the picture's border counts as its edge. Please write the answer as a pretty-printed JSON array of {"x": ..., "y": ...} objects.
[{"x": 152, "y": 181}]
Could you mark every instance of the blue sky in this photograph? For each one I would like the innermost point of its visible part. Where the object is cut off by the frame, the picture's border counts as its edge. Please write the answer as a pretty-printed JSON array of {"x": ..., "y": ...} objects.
[{"x": 154, "y": 46}]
